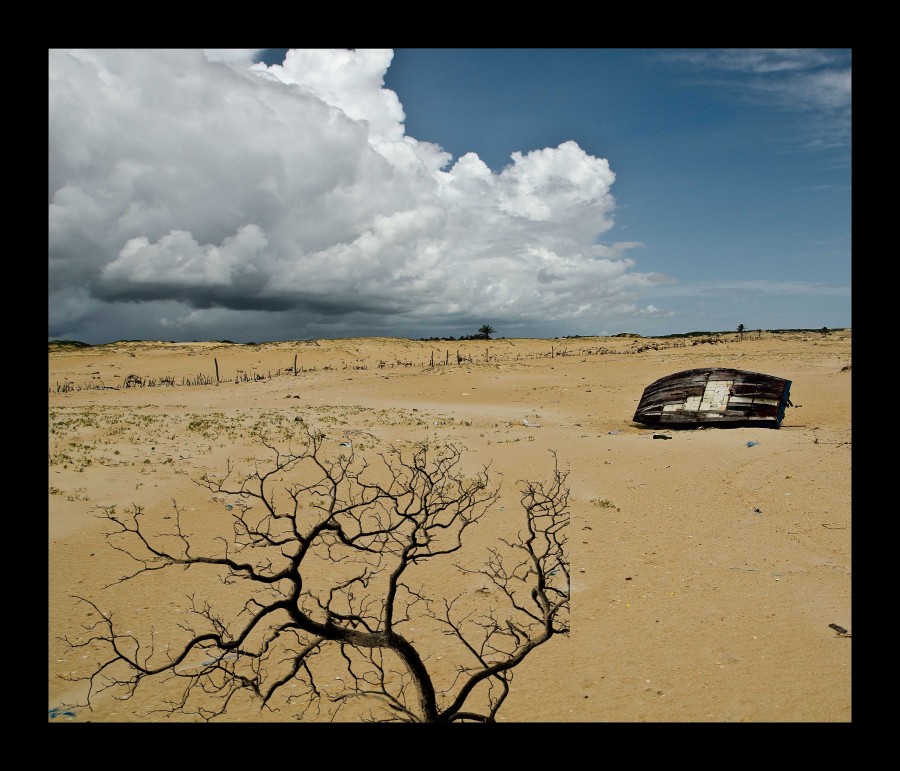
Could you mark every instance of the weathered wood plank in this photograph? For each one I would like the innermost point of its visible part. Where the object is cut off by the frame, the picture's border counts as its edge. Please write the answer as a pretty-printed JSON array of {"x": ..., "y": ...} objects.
[{"x": 714, "y": 396}]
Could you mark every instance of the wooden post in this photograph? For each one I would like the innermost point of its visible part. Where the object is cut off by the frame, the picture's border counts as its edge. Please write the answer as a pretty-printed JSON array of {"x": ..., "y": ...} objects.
[
  {"x": 295, "y": 365},
  {"x": 432, "y": 359},
  {"x": 217, "y": 370}
]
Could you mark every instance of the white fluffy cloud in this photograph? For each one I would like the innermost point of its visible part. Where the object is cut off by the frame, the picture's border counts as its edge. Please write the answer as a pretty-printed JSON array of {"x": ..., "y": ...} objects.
[
  {"x": 177, "y": 260},
  {"x": 221, "y": 196}
]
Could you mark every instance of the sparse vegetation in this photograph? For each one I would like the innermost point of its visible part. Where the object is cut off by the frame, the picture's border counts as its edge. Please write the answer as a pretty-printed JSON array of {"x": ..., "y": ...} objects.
[{"x": 428, "y": 358}]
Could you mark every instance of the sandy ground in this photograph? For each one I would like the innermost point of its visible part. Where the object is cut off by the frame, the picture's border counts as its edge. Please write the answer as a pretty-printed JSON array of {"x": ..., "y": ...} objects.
[{"x": 705, "y": 572}]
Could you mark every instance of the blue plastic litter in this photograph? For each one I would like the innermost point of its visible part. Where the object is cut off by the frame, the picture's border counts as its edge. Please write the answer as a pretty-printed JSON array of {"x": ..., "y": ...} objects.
[{"x": 752, "y": 444}]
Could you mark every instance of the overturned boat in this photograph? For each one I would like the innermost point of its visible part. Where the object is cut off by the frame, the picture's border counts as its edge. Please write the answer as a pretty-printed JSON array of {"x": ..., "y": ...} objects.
[{"x": 714, "y": 396}]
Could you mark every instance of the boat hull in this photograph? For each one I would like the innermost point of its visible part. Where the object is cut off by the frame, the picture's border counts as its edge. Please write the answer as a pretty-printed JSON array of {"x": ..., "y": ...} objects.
[{"x": 715, "y": 396}]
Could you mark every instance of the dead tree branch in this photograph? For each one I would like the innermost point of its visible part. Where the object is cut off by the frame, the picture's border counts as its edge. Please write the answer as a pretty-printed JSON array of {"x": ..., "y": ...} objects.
[{"x": 327, "y": 551}]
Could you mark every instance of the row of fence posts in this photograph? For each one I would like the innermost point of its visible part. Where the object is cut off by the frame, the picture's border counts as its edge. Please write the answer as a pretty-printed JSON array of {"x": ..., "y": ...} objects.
[{"x": 459, "y": 360}]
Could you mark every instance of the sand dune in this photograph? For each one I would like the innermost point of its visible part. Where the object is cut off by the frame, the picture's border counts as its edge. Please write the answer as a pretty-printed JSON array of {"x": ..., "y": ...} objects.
[{"x": 706, "y": 570}]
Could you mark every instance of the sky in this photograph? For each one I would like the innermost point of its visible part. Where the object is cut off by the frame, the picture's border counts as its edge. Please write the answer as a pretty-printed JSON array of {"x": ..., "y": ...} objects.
[{"x": 261, "y": 195}]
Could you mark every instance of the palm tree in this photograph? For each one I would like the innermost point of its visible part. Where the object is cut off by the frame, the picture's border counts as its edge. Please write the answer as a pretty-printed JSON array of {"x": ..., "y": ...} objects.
[
  {"x": 740, "y": 330},
  {"x": 486, "y": 331}
]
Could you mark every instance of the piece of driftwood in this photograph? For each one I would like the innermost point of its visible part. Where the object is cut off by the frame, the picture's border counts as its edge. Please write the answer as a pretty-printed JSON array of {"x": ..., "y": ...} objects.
[{"x": 714, "y": 396}]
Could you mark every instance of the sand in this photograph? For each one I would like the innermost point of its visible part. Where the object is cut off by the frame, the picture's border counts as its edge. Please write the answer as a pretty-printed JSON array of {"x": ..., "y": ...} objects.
[{"x": 706, "y": 571}]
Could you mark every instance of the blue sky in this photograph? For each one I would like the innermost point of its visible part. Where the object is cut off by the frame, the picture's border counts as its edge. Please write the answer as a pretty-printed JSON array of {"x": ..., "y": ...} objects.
[{"x": 425, "y": 192}]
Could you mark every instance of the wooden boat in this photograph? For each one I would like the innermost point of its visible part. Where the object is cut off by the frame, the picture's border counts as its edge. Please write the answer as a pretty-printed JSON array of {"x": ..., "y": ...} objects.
[{"x": 715, "y": 396}]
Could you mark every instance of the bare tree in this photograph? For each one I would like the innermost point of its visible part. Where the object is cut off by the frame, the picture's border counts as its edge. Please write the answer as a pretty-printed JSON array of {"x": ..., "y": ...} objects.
[{"x": 325, "y": 551}]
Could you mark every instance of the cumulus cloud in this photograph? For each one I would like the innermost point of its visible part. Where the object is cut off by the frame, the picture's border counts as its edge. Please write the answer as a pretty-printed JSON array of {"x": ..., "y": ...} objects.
[
  {"x": 197, "y": 193},
  {"x": 178, "y": 260}
]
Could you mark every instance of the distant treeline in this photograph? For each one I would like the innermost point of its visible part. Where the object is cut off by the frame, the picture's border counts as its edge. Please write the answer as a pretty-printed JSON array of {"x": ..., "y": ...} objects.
[
  {"x": 452, "y": 339},
  {"x": 69, "y": 344},
  {"x": 681, "y": 335},
  {"x": 677, "y": 335}
]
